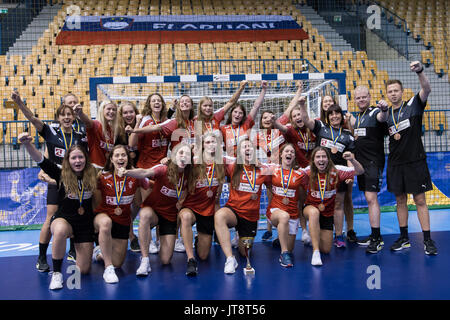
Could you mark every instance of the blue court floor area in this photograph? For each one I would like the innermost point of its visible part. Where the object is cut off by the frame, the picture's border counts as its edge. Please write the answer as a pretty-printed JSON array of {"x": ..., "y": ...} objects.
[{"x": 346, "y": 274}]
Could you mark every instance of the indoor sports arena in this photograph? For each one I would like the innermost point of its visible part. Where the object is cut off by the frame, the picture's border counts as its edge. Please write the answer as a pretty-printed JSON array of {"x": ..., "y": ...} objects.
[{"x": 224, "y": 150}]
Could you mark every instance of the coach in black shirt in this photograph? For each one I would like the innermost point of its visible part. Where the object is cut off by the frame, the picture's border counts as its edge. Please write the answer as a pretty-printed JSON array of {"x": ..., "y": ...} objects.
[
  {"x": 369, "y": 128},
  {"x": 407, "y": 170}
]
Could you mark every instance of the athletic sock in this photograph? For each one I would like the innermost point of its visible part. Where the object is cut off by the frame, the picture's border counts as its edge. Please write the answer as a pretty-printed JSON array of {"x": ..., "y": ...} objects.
[
  {"x": 376, "y": 232},
  {"x": 426, "y": 235},
  {"x": 404, "y": 232},
  {"x": 43, "y": 249},
  {"x": 57, "y": 264}
]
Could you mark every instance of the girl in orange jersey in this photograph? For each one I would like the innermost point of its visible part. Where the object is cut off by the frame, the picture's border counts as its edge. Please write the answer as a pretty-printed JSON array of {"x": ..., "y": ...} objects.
[
  {"x": 283, "y": 211},
  {"x": 324, "y": 178},
  {"x": 242, "y": 208},
  {"x": 102, "y": 133},
  {"x": 238, "y": 124},
  {"x": 210, "y": 120},
  {"x": 162, "y": 205},
  {"x": 115, "y": 196},
  {"x": 199, "y": 205}
]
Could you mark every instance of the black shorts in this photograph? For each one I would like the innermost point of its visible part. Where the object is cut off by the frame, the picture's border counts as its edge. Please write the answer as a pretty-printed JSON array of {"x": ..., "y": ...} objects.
[
  {"x": 326, "y": 223},
  {"x": 119, "y": 231},
  {"x": 165, "y": 226},
  {"x": 371, "y": 179},
  {"x": 342, "y": 187},
  {"x": 205, "y": 224},
  {"x": 52, "y": 194},
  {"x": 83, "y": 230},
  {"x": 409, "y": 178},
  {"x": 244, "y": 227}
]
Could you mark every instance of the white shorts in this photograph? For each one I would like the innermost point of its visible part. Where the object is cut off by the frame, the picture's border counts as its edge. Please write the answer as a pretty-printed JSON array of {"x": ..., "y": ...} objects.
[{"x": 293, "y": 223}]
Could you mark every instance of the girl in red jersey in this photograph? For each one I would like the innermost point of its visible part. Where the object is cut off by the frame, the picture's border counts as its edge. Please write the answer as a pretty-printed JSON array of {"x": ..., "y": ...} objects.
[
  {"x": 179, "y": 129},
  {"x": 152, "y": 146},
  {"x": 162, "y": 205},
  {"x": 102, "y": 133},
  {"x": 283, "y": 211},
  {"x": 324, "y": 177},
  {"x": 199, "y": 205},
  {"x": 242, "y": 208},
  {"x": 238, "y": 124},
  {"x": 115, "y": 196},
  {"x": 210, "y": 120}
]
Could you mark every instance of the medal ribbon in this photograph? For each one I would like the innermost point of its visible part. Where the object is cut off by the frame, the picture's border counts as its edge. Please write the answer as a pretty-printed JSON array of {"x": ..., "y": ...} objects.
[
  {"x": 179, "y": 187},
  {"x": 322, "y": 191},
  {"x": 160, "y": 134},
  {"x": 80, "y": 192},
  {"x": 360, "y": 117},
  {"x": 332, "y": 135},
  {"x": 208, "y": 126},
  {"x": 236, "y": 137},
  {"x": 269, "y": 145},
  {"x": 305, "y": 139},
  {"x": 286, "y": 187},
  {"x": 396, "y": 123},
  {"x": 252, "y": 184},
  {"x": 65, "y": 140},
  {"x": 117, "y": 190},
  {"x": 210, "y": 180}
]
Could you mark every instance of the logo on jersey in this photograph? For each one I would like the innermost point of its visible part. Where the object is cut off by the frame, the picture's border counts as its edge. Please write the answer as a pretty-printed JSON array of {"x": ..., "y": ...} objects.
[{"x": 59, "y": 152}]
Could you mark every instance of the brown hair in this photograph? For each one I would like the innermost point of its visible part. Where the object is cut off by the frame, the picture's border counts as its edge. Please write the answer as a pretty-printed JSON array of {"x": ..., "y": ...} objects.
[
  {"x": 181, "y": 122},
  {"x": 230, "y": 117},
  {"x": 68, "y": 177},
  {"x": 323, "y": 115},
  {"x": 313, "y": 169},
  {"x": 199, "y": 170},
  {"x": 122, "y": 134},
  {"x": 394, "y": 81},
  {"x": 239, "y": 164},
  {"x": 147, "y": 110},
  {"x": 109, "y": 165},
  {"x": 172, "y": 167}
]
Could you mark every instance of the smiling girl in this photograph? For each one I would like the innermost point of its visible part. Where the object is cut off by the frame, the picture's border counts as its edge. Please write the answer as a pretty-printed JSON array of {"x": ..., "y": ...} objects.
[{"x": 76, "y": 182}]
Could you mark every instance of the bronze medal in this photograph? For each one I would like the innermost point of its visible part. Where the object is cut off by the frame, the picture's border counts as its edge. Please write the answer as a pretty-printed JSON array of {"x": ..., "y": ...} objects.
[
  {"x": 254, "y": 196},
  {"x": 334, "y": 150},
  {"x": 117, "y": 211},
  {"x": 397, "y": 136},
  {"x": 285, "y": 201},
  {"x": 209, "y": 194},
  {"x": 80, "y": 211},
  {"x": 321, "y": 207}
]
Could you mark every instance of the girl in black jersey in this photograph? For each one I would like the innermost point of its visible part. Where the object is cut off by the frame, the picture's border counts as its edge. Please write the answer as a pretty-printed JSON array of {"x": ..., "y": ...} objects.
[
  {"x": 337, "y": 140},
  {"x": 76, "y": 181},
  {"x": 58, "y": 138}
]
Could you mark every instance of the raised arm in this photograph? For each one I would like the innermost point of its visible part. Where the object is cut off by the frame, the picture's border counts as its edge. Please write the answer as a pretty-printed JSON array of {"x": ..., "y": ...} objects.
[
  {"x": 309, "y": 123},
  {"x": 138, "y": 173},
  {"x": 259, "y": 101},
  {"x": 425, "y": 87},
  {"x": 383, "y": 115},
  {"x": 26, "y": 140},
  {"x": 88, "y": 122},
  {"x": 36, "y": 122},
  {"x": 355, "y": 164},
  {"x": 295, "y": 99},
  {"x": 278, "y": 125},
  {"x": 133, "y": 138},
  {"x": 235, "y": 96}
]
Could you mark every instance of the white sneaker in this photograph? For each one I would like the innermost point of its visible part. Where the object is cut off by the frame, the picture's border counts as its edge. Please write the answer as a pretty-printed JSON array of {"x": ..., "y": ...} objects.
[
  {"x": 144, "y": 267},
  {"x": 97, "y": 254},
  {"x": 306, "y": 238},
  {"x": 154, "y": 247},
  {"x": 109, "y": 275},
  {"x": 235, "y": 241},
  {"x": 179, "y": 246},
  {"x": 316, "y": 260},
  {"x": 57, "y": 281},
  {"x": 230, "y": 265}
]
